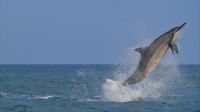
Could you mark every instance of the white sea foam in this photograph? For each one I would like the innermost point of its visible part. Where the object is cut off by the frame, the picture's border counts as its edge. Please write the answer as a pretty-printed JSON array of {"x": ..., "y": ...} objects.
[
  {"x": 3, "y": 94},
  {"x": 44, "y": 97},
  {"x": 115, "y": 91}
]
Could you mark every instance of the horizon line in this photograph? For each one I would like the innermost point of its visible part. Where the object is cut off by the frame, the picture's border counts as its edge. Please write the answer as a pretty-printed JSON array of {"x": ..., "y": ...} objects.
[{"x": 88, "y": 64}]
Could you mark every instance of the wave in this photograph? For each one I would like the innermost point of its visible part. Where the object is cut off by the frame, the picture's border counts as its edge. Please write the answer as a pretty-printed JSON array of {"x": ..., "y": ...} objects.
[
  {"x": 3, "y": 94},
  {"x": 44, "y": 97},
  {"x": 49, "y": 97},
  {"x": 27, "y": 96}
]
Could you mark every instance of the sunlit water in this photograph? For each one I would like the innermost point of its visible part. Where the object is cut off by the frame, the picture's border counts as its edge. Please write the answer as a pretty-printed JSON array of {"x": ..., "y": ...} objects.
[{"x": 97, "y": 88}]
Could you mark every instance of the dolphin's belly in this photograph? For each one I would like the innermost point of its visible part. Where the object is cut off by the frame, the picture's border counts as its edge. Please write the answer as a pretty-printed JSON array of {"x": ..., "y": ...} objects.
[{"x": 155, "y": 59}]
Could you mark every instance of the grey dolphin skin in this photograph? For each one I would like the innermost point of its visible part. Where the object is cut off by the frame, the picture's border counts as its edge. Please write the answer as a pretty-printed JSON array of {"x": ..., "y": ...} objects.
[{"x": 152, "y": 54}]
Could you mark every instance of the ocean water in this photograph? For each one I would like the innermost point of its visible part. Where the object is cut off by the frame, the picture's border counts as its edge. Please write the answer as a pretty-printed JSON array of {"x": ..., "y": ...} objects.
[{"x": 97, "y": 88}]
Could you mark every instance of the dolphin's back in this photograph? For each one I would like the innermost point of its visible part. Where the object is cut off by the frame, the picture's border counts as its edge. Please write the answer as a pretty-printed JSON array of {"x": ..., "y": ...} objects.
[{"x": 160, "y": 40}]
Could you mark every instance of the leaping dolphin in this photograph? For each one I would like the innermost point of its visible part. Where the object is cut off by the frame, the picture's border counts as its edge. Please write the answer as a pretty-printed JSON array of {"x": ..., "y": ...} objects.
[{"x": 152, "y": 54}]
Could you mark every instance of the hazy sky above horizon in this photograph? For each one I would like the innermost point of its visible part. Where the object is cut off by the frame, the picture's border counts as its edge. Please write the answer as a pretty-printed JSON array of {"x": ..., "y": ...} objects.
[{"x": 93, "y": 31}]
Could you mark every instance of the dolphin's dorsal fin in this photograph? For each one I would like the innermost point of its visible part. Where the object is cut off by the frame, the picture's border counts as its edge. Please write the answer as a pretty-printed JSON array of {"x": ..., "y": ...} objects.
[
  {"x": 174, "y": 48},
  {"x": 141, "y": 50}
]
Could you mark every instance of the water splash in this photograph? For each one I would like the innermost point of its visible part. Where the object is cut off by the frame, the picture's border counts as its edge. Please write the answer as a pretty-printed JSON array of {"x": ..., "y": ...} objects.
[{"x": 153, "y": 87}]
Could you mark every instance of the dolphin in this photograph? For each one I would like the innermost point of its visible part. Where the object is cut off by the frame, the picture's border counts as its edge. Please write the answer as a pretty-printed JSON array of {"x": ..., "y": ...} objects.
[{"x": 152, "y": 54}]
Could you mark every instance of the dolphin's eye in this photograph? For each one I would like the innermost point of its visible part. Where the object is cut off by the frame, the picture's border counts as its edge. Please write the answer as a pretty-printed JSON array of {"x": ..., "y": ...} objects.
[{"x": 173, "y": 33}]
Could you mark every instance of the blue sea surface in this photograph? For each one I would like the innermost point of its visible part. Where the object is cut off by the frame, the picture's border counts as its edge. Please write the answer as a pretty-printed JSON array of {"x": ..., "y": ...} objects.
[{"x": 81, "y": 88}]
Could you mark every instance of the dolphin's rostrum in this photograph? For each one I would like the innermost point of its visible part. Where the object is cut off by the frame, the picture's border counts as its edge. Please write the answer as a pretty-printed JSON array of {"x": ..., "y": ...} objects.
[{"x": 152, "y": 54}]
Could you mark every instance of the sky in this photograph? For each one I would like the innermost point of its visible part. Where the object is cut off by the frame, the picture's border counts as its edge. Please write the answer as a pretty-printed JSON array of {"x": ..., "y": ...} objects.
[{"x": 93, "y": 31}]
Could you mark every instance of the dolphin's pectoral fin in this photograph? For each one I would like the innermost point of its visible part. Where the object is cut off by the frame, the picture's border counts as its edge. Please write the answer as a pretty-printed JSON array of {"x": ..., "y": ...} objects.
[
  {"x": 141, "y": 50},
  {"x": 173, "y": 48}
]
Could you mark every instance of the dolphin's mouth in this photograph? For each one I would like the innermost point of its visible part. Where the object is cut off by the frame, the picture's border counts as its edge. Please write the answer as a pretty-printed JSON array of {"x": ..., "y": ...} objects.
[{"x": 180, "y": 27}]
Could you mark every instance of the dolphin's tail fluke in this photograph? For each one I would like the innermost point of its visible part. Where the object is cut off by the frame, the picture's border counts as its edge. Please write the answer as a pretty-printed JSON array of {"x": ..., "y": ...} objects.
[{"x": 134, "y": 79}]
